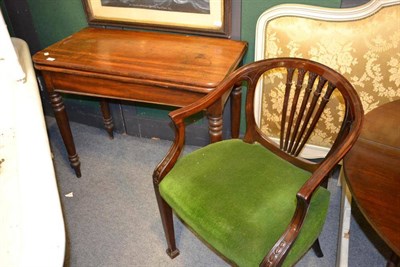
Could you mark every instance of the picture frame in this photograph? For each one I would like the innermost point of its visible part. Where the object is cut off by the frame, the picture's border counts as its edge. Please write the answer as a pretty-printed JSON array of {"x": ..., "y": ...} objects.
[{"x": 202, "y": 17}]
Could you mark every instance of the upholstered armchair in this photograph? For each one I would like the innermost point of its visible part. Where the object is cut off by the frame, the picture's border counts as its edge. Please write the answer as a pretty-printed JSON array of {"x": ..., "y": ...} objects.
[{"x": 257, "y": 201}]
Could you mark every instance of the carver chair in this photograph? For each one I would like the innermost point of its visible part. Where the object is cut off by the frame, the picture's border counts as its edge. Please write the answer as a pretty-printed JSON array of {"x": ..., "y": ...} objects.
[{"x": 257, "y": 201}]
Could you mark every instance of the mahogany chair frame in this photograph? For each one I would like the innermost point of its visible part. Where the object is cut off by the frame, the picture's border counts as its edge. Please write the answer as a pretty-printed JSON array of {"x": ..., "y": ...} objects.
[{"x": 292, "y": 137}]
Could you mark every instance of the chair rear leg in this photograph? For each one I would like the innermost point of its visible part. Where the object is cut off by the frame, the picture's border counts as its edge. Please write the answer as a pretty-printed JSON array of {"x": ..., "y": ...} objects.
[
  {"x": 168, "y": 224},
  {"x": 317, "y": 249}
]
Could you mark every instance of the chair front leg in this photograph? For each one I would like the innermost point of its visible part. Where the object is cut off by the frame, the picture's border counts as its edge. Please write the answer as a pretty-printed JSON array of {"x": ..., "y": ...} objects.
[{"x": 168, "y": 223}]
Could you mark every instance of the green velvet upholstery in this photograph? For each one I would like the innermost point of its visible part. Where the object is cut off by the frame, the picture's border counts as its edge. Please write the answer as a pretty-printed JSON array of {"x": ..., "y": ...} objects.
[{"x": 240, "y": 198}]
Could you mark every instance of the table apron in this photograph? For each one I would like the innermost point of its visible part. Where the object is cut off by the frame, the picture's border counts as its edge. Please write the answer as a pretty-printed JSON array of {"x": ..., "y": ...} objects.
[{"x": 102, "y": 87}]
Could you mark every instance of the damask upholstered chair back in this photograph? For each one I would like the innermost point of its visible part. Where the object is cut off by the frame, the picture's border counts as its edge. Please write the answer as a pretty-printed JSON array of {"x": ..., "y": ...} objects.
[{"x": 362, "y": 43}]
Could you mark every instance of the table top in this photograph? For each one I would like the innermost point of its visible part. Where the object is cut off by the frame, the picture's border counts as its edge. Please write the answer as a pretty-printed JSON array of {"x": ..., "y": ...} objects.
[
  {"x": 372, "y": 171},
  {"x": 199, "y": 62}
]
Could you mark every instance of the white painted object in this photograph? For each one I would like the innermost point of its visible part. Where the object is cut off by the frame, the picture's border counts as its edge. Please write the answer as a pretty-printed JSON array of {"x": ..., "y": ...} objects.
[
  {"x": 31, "y": 222},
  {"x": 345, "y": 221}
]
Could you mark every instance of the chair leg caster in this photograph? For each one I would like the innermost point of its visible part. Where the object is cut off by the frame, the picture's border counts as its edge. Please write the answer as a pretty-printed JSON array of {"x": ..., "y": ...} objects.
[{"x": 172, "y": 254}]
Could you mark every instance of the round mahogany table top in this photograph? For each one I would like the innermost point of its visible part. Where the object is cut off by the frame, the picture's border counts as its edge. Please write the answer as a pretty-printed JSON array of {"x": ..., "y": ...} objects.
[{"x": 372, "y": 171}]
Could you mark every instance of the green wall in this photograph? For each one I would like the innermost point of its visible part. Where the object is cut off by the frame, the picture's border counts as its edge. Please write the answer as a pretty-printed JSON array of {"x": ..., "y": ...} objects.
[{"x": 56, "y": 19}]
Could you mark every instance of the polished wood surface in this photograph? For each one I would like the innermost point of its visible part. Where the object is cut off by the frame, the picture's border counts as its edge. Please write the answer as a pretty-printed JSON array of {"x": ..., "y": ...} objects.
[
  {"x": 186, "y": 62},
  {"x": 372, "y": 171},
  {"x": 160, "y": 68}
]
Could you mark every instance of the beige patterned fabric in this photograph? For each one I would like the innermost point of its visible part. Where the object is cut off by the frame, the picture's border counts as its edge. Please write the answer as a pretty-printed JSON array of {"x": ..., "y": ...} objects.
[{"x": 366, "y": 52}]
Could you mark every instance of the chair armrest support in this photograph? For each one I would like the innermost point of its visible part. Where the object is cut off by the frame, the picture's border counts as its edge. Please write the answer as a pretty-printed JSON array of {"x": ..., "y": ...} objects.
[
  {"x": 279, "y": 251},
  {"x": 319, "y": 175},
  {"x": 173, "y": 154},
  {"x": 178, "y": 116}
]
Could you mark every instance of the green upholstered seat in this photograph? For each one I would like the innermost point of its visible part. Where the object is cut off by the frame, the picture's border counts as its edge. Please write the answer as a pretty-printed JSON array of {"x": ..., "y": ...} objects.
[{"x": 240, "y": 198}]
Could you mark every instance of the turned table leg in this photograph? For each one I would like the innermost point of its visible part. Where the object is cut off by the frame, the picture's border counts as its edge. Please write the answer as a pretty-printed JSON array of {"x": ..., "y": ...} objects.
[
  {"x": 65, "y": 130},
  {"x": 107, "y": 118},
  {"x": 215, "y": 128},
  {"x": 214, "y": 115}
]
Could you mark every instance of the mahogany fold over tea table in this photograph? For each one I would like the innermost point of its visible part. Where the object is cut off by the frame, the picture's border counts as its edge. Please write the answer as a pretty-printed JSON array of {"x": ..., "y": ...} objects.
[{"x": 159, "y": 68}]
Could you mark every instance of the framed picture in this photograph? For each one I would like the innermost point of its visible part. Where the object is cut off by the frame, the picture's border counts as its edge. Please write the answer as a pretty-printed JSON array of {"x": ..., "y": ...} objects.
[{"x": 205, "y": 17}]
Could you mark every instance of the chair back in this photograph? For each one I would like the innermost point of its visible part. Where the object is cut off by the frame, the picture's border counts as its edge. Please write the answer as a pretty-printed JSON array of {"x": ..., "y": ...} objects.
[{"x": 307, "y": 88}]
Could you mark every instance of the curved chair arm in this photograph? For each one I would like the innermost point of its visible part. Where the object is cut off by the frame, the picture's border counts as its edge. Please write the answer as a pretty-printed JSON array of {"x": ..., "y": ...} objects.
[
  {"x": 178, "y": 116},
  {"x": 279, "y": 251},
  {"x": 172, "y": 156},
  {"x": 337, "y": 155}
]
